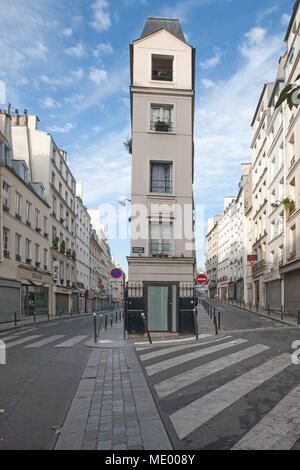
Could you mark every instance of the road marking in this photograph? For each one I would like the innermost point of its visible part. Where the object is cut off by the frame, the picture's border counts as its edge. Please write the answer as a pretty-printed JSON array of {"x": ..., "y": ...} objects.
[
  {"x": 43, "y": 342},
  {"x": 188, "y": 419},
  {"x": 51, "y": 324},
  {"x": 278, "y": 430},
  {"x": 163, "y": 352},
  {"x": 21, "y": 341},
  {"x": 187, "y": 378},
  {"x": 16, "y": 335},
  {"x": 175, "y": 361},
  {"x": 170, "y": 341},
  {"x": 71, "y": 342}
]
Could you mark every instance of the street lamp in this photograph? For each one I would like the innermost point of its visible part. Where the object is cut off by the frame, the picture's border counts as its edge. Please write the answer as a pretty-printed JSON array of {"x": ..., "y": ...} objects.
[
  {"x": 123, "y": 201},
  {"x": 276, "y": 204}
]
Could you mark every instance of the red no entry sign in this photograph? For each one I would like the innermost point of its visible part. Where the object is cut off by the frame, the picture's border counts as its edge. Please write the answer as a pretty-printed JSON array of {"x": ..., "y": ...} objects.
[{"x": 202, "y": 279}]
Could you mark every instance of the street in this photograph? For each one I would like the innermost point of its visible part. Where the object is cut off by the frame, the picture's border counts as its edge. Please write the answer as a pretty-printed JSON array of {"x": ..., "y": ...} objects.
[
  {"x": 240, "y": 391},
  {"x": 44, "y": 366}
]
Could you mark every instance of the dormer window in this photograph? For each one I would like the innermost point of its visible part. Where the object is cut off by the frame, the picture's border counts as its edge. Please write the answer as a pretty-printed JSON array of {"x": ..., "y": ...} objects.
[{"x": 162, "y": 67}]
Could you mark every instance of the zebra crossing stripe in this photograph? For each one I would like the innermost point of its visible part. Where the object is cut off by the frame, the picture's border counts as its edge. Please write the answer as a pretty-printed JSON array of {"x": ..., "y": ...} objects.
[
  {"x": 278, "y": 430},
  {"x": 16, "y": 335},
  {"x": 142, "y": 345},
  {"x": 187, "y": 378},
  {"x": 71, "y": 342},
  {"x": 43, "y": 342},
  {"x": 163, "y": 352},
  {"x": 175, "y": 361},
  {"x": 189, "y": 418},
  {"x": 22, "y": 341}
]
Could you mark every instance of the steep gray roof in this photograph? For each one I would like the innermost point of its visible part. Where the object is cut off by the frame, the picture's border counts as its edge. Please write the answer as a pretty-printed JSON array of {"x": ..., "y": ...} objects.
[{"x": 155, "y": 24}]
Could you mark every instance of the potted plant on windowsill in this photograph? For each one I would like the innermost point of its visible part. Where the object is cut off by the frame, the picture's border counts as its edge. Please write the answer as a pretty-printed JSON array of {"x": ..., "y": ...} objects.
[
  {"x": 55, "y": 243},
  {"x": 289, "y": 204},
  {"x": 162, "y": 126},
  {"x": 69, "y": 253},
  {"x": 63, "y": 247}
]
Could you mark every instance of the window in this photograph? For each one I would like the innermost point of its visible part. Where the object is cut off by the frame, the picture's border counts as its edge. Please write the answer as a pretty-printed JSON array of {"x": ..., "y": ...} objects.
[
  {"x": 18, "y": 247},
  {"x": 162, "y": 67},
  {"x": 161, "y": 235},
  {"x": 161, "y": 118},
  {"x": 292, "y": 253},
  {"x": 28, "y": 212},
  {"x": 5, "y": 196},
  {"x": 45, "y": 258},
  {"x": 45, "y": 224},
  {"x": 28, "y": 250},
  {"x": 37, "y": 254},
  {"x": 54, "y": 204},
  {"x": 61, "y": 212},
  {"x": 53, "y": 178},
  {"x": 60, "y": 188},
  {"x": 161, "y": 178},
  {"x": 291, "y": 56},
  {"x": 18, "y": 204},
  {"x": 6, "y": 242},
  {"x": 37, "y": 219}
]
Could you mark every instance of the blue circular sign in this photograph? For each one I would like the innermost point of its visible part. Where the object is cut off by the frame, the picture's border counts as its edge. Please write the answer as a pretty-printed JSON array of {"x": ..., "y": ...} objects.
[{"x": 116, "y": 273}]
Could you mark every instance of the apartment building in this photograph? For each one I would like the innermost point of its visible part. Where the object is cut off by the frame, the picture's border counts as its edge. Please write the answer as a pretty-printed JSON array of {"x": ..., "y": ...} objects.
[
  {"x": 117, "y": 286},
  {"x": 48, "y": 163},
  {"x": 104, "y": 267},
  {"x": 25, "y": 278},
  {"x": 83, "y": 229},
  {"x": 224, "y": 231},
  {"x": 211, "y": 254},
  {"x": 162, "y": 261}
]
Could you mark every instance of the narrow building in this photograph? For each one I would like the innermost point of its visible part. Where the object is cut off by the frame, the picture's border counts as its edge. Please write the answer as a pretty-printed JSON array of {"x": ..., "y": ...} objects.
[{"x": 162, "y": 259}]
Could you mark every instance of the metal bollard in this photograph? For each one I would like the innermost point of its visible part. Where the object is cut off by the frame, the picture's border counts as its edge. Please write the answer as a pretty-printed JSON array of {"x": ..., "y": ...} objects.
[
  {"x": 95, "y": 327},
  {"x": 282, "y": 312},
  {"x": 196, "y": 323},
  {"x": 16, "y": 321},
  {"x": 48, "y": 315},
  {"x": 116, "y": 317},
  {"x": 105, "y": 322},
  {"x": 250, "y": 306},
  {"x": 219, "y": 320},
  {"x": 215, "y": 323},
  {"x": 34, "y": 318},
  {"x": 269, "y": 310},
  {"x": 299, "y": 318},
  {"x": 257, "y": 308},
  {"x": 111, "y": 320},
  {"x": 60, "y": 314}
]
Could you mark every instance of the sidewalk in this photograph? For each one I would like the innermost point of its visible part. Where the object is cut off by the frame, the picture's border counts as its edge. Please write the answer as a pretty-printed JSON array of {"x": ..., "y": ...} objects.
[
  {"x": 286, "y": 320},
  {"x": 113, "y": 408}
]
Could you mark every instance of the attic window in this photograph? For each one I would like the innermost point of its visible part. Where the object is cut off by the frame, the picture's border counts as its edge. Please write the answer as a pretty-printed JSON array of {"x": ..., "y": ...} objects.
[{"x": 162, "y": 68}]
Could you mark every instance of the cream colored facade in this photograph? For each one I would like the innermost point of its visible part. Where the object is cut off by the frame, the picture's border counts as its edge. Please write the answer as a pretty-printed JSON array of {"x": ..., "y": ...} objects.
[
  {"x": 48, "y": 164},
  {"x": 211, "y": 254},
  {"x": 25, "y": 263},
  {"x": 83, "y": 229},
  {"x": 162, "y": 96}
]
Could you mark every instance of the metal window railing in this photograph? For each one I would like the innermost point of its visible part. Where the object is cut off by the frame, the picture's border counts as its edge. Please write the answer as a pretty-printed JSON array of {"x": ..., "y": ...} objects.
[
  {"x": 162, "y": 74},
  {"x": 162, "y": 126},
  {"x": 161, "y": 186},
  {"x": 160, "y": 248}
]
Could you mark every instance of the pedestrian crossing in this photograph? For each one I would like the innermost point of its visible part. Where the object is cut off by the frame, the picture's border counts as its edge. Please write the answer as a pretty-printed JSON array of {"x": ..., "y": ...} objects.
[
  {"x": 27, "y": 340},
  {"x": 202, "y": 388}
]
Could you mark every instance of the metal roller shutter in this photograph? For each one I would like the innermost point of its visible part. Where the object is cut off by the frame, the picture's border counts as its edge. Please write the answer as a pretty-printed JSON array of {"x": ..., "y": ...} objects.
[
  {"x": 10, "y": 303},
  {"x": 292, "y": 292},
  {"x": 62, "y": 304},
  {"x": 273, "y": 292}
]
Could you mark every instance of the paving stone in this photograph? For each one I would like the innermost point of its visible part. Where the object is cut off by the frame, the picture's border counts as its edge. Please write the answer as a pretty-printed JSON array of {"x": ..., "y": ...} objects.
[
  {"x": 104, "y": 445},
  {"x": 104, "y": 435}
]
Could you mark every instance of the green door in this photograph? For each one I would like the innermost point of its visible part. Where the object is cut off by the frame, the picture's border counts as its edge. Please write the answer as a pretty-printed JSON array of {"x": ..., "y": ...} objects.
[{"x": 158, "y": 308}]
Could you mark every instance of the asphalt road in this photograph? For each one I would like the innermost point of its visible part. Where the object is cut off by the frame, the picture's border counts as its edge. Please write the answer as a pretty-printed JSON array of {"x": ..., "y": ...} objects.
[
  {"x": 241, "y": 391},
  {"x": 44, "y": 366}
]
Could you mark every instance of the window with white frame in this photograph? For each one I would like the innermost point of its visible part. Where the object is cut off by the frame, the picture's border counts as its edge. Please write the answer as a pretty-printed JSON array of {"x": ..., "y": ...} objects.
[
  {"x": 161, "y": 238},
  {"x": 162, "y": 118},
  {"x": 161, "y": 177}
]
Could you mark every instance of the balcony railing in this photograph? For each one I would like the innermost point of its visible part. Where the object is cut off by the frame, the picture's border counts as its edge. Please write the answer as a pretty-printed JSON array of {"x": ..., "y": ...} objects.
[
  {"x": 5, "y": 208},
  {"x": 292, "y": 255},
  {"x": 165, "y": 75},
  {"x": 161, "y": 186},
  {"x": 259, "y": 266},
  {"x": 160, "y": 248},
  {"x": 162, "y": 126}
]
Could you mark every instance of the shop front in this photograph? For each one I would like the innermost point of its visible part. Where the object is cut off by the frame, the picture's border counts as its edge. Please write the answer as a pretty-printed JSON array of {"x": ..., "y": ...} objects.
[{"x": 34, "y": 291}]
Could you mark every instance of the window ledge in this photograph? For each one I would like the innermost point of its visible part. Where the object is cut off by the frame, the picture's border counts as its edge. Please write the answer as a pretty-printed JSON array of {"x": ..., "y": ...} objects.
[
  {"x": 162, "y": 132},
  {"x": 170, "y": 195}
]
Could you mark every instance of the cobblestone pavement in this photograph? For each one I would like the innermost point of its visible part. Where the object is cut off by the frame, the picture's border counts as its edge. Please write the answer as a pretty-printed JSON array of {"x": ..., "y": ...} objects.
[{"x": 113, "y": 408}]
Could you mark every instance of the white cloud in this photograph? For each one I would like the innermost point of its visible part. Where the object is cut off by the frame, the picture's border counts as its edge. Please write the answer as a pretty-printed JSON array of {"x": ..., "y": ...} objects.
[
  {"x": 50, "y": 103},
  {"x": 267, "y": 12},
  {"x": 101, "y": 20},
  {"x": 78, "y": 73},
  {"x": 207, "y": 84},
  {"x": 76, "y": 98},
  {"x": 37, "y": 50},
  {"x": 103, "y": 49},
  {"x": 214, "y": 60},
  {"x": 256, "y": 35},
  {"x": 285, "y": 19},
  {"x": 67, "y": 32},
  {"x": 97, "y": 75},
  {"x": 62, "y": 129},
  {"x": 77, "y": 51},
  {"x": 2, "y": 92}
]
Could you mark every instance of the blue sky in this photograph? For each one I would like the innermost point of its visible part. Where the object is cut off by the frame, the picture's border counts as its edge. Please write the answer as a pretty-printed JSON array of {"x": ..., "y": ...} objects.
[{"x": 68, "y": 63}]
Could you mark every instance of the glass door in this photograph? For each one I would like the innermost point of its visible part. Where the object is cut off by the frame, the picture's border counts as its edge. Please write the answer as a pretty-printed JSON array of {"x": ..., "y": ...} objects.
[{"x": 158, "y": 308}]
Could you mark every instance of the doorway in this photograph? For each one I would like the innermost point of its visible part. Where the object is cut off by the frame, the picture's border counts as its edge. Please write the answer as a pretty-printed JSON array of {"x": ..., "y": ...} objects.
[{"x": 162, "y": 307}]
